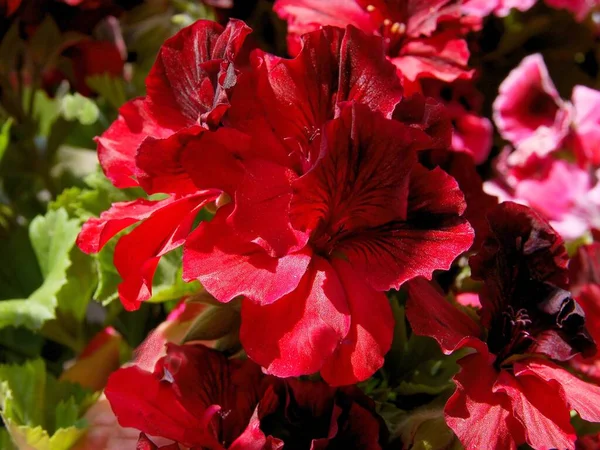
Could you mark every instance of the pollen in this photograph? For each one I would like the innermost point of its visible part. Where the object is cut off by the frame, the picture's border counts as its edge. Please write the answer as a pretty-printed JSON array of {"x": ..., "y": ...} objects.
[
  {"x": 370, "y": 8},
  {"x": 387, "y": 22},
  {"x": 398, "y": 28}
]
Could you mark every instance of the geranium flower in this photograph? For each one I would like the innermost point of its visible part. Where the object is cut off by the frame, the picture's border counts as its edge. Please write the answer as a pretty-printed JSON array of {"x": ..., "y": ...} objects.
[
  {"x": 313, "y": 184},
  {"x": 530, "y": 114},
  {"x": 191, "y": 80},
  {"x": 560, "y": 191},
  {"x": 423, "y": 38},
  {"x": 509, "y": 391},
  {"x": 313, "y": 252},
  {"x": 198, "y": 398},
  {"x": 528, "y": 102}
]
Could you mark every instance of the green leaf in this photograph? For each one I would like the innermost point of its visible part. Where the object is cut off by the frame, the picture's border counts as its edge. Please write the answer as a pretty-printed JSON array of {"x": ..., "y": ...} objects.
[
  {"x": 80, "y": 108},
  {"x": 52, "y": 237},
  {"x": 6, "y": 442},
  {"x": 5, "y": 136},
  {"x": 40, "y": 412}
]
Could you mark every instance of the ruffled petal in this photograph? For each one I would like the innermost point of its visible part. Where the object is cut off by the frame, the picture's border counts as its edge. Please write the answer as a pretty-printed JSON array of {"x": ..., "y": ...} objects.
[
  {"x": 228, "y": 266},
  {"x": 432, "y": 236},
  {"x": 577, "y": 394},
  {"x": 480, "y": 417},
  {"x": 193, "y": 74},
  {"x": 545, "y": 421},
  {"x": 298, "y": 333},
  {"x": 118, "y": 145},
  {"x": 138, "y": 253},
  {"x": 361, "y": 353}
]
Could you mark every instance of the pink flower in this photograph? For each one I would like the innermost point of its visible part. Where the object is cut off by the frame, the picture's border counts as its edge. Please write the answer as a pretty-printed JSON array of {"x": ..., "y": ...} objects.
[{"x": 528, "y": 102}]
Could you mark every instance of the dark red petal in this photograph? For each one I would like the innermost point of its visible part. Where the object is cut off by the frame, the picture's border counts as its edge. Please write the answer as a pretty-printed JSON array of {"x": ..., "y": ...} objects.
[
  {"x": 304, "y": 16},
  {"x": 362, "y": 179},
  {"x": 137, "y": 254},
  {"x": 228, "y": 266},
  {"x": 545, "y": 421},
  {"x": 479, "y": 417},
  {"x": 462, "y": 168},
  {"x": 118, "y": 145},
  {"x": 577, "y": 394},
  {"x": 428, "y": 115},
  {"x": 430, "y": 314},
  {"x": 190, "y": 80},
  {"x": 214, "y": 159},
  {"x": 298, "y": 333},
  {"x": 519, "y": 244},
  {"x": 141, "y": 401},
  {"x": 433, "y": 235},
  {"x": 360, "y": 354}
]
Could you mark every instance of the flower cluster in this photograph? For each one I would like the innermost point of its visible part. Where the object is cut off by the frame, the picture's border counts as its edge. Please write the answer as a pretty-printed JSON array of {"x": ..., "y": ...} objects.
[
  {"x": 321, "y": 202},
  {"x": 553, "y": 161}
]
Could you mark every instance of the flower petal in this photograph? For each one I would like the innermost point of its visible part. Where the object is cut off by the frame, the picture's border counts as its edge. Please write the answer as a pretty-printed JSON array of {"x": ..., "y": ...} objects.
[
  {"x": 118, "y": 145},
  {"x": 432, "y": 236},
  {"x": 298, "y": 333},
  {"x": 228, "y": 266},
  {"x": 480, "y": 417},
  {"x": 430, "y": 314},
  {"x": 193, "y": 73},
  {"x": 545, "y": 421},
  {"x": 360, "y": 354}
]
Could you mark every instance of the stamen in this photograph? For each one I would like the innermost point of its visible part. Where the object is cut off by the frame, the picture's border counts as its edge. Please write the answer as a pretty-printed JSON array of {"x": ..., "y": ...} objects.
[
  {"x": 370, "y": 8},
  {"x": 387, "y": 22},
  {"x": 398, "y": 28}
]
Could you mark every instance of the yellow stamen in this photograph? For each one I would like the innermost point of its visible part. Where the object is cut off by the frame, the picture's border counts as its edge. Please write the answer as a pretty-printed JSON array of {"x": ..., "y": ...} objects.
[{"x": 370, "y": 8}]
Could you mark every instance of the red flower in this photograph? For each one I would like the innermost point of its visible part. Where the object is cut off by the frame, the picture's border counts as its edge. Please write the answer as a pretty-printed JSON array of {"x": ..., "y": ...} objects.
[
  {"x": 423, "y": 38},
  {"x": 329, "y": 206},
  {"x": 194, "y": 396},
  {"x": 198, "y": 398},
  {"x": 313, "y": 252},
  {"x": 191, "y": 79},
  {"x": 508, "y": 392},
  {"x": 188, "y": 87}
]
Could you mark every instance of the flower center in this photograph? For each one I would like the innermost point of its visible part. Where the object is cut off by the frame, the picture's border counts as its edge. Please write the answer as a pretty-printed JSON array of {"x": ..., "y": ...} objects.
[{"x": 510, "y": 335}]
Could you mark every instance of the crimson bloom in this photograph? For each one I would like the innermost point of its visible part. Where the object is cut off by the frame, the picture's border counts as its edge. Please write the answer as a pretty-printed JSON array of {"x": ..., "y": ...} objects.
[
  {"x": 198, "y": 398},
  {"x": 509, "y": 390},
  {"x": 322, "y": 206},
  {"x": 423, "y": 38},
  {"x": 323, "y": 246},
  {"x": 191, "y": 79}
]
